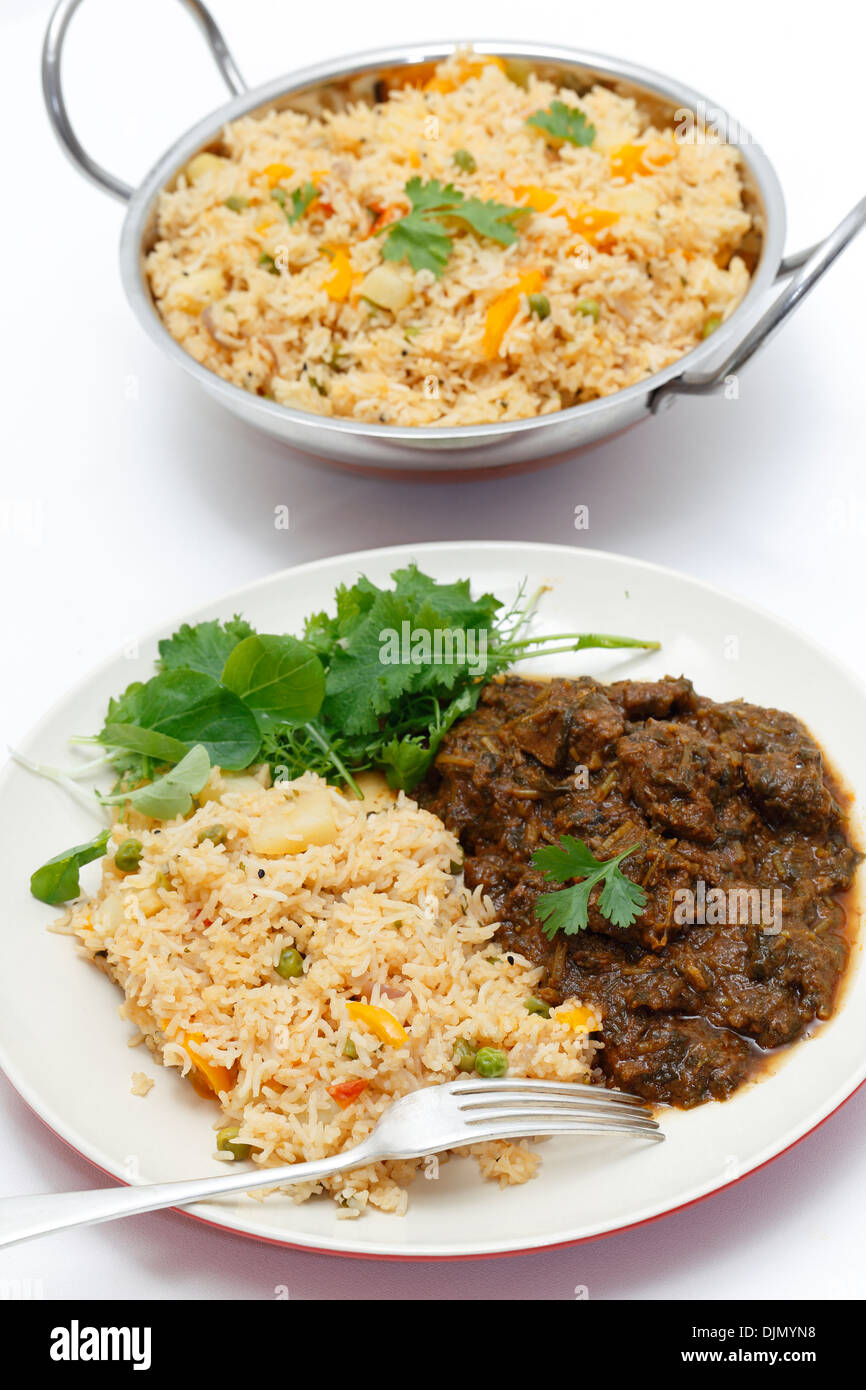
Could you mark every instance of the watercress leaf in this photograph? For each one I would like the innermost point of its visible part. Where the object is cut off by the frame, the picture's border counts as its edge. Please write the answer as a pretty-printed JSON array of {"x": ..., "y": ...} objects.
[
  {"x": 279, "y": 677},
  {"x": 170, "y": 795},
  {"x": 57, "y": 881},
  {"x": 148, "y": 742},
  {"x": 193, "y": 707},
  {"x": 205, "y": 647}
]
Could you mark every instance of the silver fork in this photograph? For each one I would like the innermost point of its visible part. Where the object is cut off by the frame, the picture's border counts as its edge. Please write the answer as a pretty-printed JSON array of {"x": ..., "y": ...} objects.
[{"x": 424, "y": 1122}]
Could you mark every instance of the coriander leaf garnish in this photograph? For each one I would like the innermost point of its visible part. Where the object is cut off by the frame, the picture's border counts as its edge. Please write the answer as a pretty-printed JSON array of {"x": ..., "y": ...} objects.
[
  {"x": 424, "y": 236},
  {"x": 561, "y": 122},
  {"x": 205, "y": 647},
  {"x": 391, "y": 709},
  {"x": 621, "y": 901},
  {"x": 301, "y": 199},
  {"x": 57, "y": 881}
]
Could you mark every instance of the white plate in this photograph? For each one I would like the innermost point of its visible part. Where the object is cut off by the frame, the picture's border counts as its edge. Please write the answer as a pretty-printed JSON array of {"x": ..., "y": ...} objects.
[{"x": 64, "y": 1048}]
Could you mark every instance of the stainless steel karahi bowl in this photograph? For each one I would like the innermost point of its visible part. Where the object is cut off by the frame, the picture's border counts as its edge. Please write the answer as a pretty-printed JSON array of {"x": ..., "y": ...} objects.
[{"x": 514, "y": 444}]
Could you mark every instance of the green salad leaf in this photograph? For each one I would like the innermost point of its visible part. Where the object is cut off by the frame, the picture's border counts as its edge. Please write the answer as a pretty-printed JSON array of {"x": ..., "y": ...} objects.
[
  {"x": 170, "y": 795},
  {"x": 150, "y": 744},
  {"x": 190, "y": 707},
  {"x": 621, "y": 901},
  {"x": 57, "y": 881},
  {"x": 278, "y": 677},
  {"x": 376, "y": 682}
]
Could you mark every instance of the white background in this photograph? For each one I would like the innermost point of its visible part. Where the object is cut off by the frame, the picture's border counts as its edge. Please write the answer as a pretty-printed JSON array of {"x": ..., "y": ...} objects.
[{"x": 128, "y": 497}]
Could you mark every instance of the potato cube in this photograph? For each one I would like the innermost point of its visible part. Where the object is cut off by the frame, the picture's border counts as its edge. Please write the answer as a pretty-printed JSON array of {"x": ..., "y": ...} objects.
[
  {"x": 309, "y": 820},
  {"x": 386, "y": 287},
  {"x": 192, "y": 292},
  {"x": 150, "y": 902},
  {"x": 201, "y": 165},
  {"x": 375, "y": 789}
]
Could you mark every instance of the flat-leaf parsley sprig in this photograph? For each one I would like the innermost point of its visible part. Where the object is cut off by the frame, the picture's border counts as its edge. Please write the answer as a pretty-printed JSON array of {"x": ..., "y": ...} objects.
[
  {"x": 424, "y": 237},
  {"x": 621, "y": 901}
]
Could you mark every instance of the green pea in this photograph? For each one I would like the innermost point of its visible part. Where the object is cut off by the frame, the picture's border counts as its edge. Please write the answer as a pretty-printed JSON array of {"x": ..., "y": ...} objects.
[
  {"x": 464, "y": 1055},
  {"x": 217, "y": 834},
  {"x": 291, "y": 963},
  {"x": 712, "y": 323},
  {"x": 590, "y": 308},
  {"x": 226, "y": 1142},
  {"x": 350, "y": 1050},
  {"x": 536, "y": 1006},
  {"x": 127, "y": 856},
  {"x": 491, "y": 1061},
  {"x": 236, "y": 203},
  {"x": 539, "y": 304},
  {"x": 465, "y": 161},
  {"x": 518, "y": 71}
]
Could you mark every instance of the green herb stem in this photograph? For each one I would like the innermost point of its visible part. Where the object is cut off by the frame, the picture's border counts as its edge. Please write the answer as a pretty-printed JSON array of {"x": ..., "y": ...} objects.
[{"x": 327, "y": 748}]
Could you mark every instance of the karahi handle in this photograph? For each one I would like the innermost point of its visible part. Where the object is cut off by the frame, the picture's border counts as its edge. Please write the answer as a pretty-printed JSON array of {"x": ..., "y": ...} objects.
[{"x": 52, "y": 87}]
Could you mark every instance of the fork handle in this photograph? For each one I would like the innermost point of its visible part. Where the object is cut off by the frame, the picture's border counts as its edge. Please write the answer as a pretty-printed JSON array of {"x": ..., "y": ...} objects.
[{"x": 22, "y": 1218}]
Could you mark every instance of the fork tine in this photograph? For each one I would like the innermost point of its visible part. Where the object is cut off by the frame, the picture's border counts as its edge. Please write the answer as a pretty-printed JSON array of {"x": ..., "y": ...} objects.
[
  {"x": 528, "y": 1112},
  {"x": 549, "y": 1127},
  {"x": 570, "y": 1104},
  {"x": 570, "y": 1088}
]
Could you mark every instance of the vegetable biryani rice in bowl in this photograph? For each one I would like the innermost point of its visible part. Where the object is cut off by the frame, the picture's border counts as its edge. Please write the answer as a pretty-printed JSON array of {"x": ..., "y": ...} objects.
[
  {"x": 467, "y": 249},
  {"x": 307, "y": 958}
]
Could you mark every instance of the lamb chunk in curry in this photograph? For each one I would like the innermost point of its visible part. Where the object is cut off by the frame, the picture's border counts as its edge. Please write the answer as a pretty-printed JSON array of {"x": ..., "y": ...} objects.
[{"x": 729, "y": 795}]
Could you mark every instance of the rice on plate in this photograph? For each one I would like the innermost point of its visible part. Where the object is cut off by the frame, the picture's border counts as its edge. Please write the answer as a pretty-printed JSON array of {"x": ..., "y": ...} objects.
[
  {"x": 308, "y": 958},
  {"x": 614, "y": 251}
]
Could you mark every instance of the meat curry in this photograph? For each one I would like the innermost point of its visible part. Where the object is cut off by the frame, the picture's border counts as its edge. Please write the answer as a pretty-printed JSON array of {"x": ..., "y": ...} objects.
[{"x": 726, "y": 797}]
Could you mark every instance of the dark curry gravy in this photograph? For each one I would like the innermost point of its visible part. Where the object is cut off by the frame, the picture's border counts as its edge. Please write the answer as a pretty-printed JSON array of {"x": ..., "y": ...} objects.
[{"x": 729, "y": 796}]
